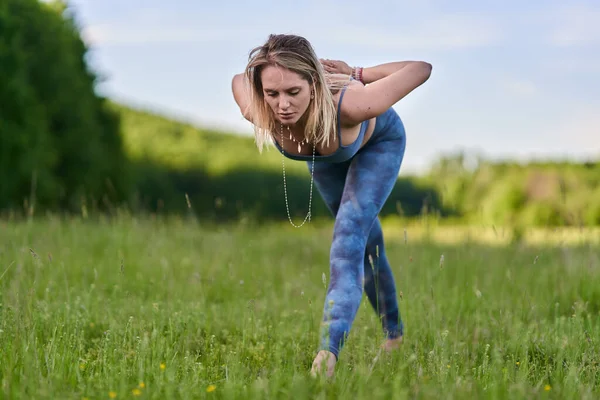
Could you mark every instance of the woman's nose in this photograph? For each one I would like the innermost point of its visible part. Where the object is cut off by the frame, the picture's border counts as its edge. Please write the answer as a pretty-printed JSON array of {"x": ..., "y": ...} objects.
[{"x": 284, "y": 102}]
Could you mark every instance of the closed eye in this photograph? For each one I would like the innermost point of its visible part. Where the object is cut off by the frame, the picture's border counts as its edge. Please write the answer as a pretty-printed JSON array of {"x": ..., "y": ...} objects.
[{"x": 292, "y": 92}]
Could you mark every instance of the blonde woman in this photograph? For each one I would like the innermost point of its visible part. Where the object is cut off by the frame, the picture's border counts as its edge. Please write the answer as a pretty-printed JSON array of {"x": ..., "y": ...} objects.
[{"x": 340, "y": 121}]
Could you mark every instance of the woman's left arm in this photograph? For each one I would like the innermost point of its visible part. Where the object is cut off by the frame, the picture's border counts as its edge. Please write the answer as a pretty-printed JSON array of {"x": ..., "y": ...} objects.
[
  {"x": 365, "y": 75},
  {"x": 377, "y": 72},
  {"x": 365, "y": 102}
]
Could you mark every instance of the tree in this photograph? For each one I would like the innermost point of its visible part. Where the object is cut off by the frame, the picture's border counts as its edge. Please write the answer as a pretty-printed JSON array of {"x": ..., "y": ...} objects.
[{"x": 59, "y": 141}]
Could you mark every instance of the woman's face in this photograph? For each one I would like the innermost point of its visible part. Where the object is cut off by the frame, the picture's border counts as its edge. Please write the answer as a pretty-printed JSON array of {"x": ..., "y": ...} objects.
[{"x": 286, "y": 92}]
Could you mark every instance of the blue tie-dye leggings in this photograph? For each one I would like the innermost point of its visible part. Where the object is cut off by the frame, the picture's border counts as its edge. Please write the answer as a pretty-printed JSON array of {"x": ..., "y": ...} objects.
[{"x": 355, "y": 191}]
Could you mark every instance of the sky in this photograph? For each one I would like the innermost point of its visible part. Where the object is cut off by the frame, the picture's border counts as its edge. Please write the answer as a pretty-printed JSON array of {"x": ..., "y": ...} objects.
[{"x": 510, "y": 80}]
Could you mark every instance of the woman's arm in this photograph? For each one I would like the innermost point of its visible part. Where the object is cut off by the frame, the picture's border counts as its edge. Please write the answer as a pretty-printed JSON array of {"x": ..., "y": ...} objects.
[
  {"x": 375, "y": 73},
  {"x": 365, "y": 102},
  {"x": 241, "y": 94},
  {"x": 367, "y": 75}
]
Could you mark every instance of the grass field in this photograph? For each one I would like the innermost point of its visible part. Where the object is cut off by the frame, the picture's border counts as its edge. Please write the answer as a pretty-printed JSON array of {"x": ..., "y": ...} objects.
[{"x": 144, "y": 308}]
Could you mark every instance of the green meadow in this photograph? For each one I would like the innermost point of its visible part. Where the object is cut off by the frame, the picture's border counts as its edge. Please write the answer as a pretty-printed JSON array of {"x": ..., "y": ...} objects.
[{"x": 150, "y": 307}]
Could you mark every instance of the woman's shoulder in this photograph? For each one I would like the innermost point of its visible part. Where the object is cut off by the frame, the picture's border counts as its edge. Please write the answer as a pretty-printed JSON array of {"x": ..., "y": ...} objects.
[
  {"x": 354, "y": 84},
  {"x": 339, "y": 86},
  {"x": 337, "y": 82},
  {"x": 345, "y": 102}
]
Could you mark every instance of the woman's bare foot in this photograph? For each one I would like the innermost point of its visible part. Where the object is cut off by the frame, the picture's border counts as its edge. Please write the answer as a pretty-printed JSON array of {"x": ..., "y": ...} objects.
[
  {"x": 392, "y": 344},
  {"x": 323, "y": 359}
]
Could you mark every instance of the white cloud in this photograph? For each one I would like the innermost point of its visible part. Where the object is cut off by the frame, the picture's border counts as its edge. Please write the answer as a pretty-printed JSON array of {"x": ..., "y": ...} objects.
[
  {"x": 520, "y": 87},
  {"x": 581, "y": 130},
  {"x": 583, "y": 64},
  {"x": 111, "y": 35},
  {"x": 576, "y": 25},
  {"x": 441, "y": 32},
  {"x": 444, "y": 32}
]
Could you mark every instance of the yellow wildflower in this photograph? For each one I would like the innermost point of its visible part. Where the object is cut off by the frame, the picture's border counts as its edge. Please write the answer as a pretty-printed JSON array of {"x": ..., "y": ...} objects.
[
  {"x": 136, "y": 392},
  {"x": 547, "y": 388},
  {"x": 112, "y": 395},
  {"x": 142, "y": 385},
  {"x": 163, "y": 366},
  {"x": 211, "y": 388}
]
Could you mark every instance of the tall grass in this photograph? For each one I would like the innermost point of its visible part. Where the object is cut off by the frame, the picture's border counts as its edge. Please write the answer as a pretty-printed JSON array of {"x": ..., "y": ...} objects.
[{"x": 154, "y": 308}]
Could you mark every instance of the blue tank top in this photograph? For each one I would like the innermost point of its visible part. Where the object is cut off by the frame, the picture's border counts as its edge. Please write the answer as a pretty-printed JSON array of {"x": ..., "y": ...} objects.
[{"x": 343, "y": 153}]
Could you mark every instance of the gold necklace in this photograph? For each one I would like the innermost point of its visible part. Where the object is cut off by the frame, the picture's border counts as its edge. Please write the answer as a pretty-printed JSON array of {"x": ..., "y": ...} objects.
[
  {"x": 308, "y": 214},
  {"x": 293, "y": 139}
]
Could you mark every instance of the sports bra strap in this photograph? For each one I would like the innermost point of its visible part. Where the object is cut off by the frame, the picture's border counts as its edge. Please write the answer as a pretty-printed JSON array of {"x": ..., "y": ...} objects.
[{"x": 339, "y": 110}]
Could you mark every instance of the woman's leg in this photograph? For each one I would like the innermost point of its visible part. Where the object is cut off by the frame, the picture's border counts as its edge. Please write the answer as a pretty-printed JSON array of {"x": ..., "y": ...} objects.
[
  {"x": 369, "y": 181},
  {"x": 379, "y": 282}
]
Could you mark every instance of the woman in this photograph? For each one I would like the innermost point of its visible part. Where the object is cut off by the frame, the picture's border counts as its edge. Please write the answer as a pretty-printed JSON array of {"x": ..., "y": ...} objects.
[{"x": 340, "y": 121}]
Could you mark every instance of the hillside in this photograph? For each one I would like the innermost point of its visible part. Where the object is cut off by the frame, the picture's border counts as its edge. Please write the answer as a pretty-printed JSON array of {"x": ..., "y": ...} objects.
[
  {"x": 224, "y": 175},
  {"x": 183, "y": 146}
]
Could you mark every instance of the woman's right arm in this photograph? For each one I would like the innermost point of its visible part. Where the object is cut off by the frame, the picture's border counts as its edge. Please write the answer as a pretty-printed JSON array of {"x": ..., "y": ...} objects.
[{"x": 241, "y": 94}]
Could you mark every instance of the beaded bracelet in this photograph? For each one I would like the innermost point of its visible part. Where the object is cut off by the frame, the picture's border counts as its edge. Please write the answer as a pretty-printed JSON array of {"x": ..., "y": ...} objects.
[{"x": 357, "y": 73}]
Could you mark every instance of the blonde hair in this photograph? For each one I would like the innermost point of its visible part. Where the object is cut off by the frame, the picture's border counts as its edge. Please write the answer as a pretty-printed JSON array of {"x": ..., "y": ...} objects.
[{"x": 296, "y": 54}]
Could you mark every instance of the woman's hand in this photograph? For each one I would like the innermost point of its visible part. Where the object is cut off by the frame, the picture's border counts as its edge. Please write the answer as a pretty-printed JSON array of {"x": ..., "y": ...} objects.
[{"x": 336, "y": 66}]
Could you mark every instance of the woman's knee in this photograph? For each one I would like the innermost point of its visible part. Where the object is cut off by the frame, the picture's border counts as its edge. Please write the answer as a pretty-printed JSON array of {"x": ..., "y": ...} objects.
[{"x": 350, "y": 232}]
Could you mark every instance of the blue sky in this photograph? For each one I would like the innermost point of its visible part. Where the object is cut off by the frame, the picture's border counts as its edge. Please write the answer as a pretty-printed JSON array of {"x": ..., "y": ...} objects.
[{"x": 515, "y": 80}]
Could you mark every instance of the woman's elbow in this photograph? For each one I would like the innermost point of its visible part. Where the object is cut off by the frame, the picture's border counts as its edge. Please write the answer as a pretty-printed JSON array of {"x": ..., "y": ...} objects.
[{"x": 425, "y": 68}]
